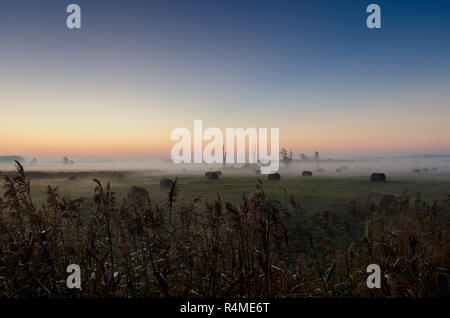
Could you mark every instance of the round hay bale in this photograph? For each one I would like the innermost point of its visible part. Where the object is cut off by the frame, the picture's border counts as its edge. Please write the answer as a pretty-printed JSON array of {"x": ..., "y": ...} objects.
[
  {"x": 379, "y": 201},
  {"x": 208, "y": 173},
  {"x": 307, "y": 173},
  {"x": 166, "y": 183},
  {"x": 377, "y": 177},
  {"x": 138, "y": 195},
  {"x": 212, "y": 175},
  {"x": 274, "y": 176},
  {"x": 416, "y": 171},
  {"x": 72, "y": 178}
]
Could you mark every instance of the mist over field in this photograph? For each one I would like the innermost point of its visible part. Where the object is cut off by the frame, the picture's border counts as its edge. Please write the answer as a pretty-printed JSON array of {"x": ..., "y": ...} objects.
[{"x": 429, "y": 165}]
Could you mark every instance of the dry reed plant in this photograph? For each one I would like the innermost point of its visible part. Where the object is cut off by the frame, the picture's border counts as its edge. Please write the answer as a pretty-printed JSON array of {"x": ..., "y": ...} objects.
[{"x": 258, "y": 248}]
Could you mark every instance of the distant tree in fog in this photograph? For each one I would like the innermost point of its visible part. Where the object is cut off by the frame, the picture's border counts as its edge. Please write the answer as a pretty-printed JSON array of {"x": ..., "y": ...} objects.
[
  {"x": 286, "y": 157},
  {"x": 66, "y": 161},
  {"x": 316, "y": 156}
]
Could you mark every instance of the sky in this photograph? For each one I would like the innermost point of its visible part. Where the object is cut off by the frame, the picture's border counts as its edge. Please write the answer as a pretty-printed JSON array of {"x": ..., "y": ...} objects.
[{"x": 137, "y": 70}]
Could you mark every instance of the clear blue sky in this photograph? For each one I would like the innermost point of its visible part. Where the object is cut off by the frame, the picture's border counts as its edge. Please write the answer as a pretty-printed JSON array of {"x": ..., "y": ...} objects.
[{"x": 138, "y": 69}]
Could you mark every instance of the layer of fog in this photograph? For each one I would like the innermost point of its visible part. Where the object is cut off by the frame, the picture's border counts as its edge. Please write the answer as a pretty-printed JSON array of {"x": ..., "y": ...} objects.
[{"x": 391, "y": 166}]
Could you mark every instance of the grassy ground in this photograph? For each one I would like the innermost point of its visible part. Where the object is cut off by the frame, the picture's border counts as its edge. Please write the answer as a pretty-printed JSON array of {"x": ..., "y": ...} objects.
[
  {"x": 255, "y": 248},
  {"x": 316, "y": 194}
]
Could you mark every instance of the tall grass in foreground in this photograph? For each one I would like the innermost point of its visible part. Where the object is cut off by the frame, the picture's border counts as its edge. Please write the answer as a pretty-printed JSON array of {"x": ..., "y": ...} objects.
[{"x": 259, "y": 248}]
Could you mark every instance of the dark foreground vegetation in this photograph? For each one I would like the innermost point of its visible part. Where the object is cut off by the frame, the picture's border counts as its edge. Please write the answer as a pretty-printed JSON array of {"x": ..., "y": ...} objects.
[{"x": 204, "y": 247}]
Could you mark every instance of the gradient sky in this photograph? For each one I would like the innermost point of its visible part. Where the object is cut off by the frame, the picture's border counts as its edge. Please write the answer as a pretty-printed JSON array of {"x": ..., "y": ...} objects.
[{"x": 139, "y": 69}]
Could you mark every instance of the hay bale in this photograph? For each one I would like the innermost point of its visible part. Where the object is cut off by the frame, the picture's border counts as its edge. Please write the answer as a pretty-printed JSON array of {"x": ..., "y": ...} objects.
[
  {"x": 138, "y": 194},
  {"x": 380, "y": 202},
  {"x": 416, "y": 171},
  {"x": 212, "y": 175},
  {"x": 72, "y": 178},
  {"x": 377, "y": 177},
  {"x": 274, "y": 176},
  {"x": 425, "y": 169},
  {"x": 307, "y": 173},
  {"x": 166, "y": 183},
  {"x": 339, "y": 170},
  {"x": 208, "y": 173}
]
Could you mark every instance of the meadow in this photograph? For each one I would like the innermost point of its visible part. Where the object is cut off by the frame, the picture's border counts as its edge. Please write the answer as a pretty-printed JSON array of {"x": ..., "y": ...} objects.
[
  {"x": 317, "y": 194},
  {"x": 238, "y": 236}
]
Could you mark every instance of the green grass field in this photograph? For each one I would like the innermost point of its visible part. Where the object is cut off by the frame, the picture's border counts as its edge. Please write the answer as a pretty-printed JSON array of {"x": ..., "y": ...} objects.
[{"x": 316, "y": 194}]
